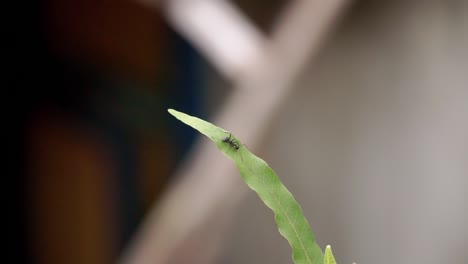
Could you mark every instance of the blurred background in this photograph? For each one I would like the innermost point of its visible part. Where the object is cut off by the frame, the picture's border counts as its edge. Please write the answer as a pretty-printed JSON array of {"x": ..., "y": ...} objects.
[{"x": 367, "y": 125}]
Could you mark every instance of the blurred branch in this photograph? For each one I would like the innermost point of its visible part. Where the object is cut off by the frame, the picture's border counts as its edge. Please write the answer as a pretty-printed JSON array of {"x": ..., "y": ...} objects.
[
  {"x": 189, "y": 222},
  {"x": 219, "y": 30}
]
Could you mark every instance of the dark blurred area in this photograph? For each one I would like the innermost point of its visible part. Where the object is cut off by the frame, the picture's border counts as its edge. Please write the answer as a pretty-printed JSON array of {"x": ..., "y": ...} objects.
[
  {"x": 91, "y": 83},
  {"x": 93, "y": 146}
]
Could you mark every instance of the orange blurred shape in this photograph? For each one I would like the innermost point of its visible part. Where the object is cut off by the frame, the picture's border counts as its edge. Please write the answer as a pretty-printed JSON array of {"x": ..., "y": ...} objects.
[
  {"x": 120, "y": 35},
  {"x": 72, "y": 216}
]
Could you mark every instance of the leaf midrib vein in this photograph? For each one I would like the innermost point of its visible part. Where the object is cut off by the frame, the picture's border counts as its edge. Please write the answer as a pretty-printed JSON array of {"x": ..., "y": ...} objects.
[{"x": 289, "y": 219}]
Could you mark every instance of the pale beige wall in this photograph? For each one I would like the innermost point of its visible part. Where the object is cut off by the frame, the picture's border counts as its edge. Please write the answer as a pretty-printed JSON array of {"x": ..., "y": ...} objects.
[{"x": 374, "y": 142}]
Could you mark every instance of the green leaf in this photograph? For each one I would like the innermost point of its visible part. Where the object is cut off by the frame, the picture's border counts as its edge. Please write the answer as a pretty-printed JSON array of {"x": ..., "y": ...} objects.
[
  {"x": 329, "y": 258},
  {"x": 263, "y": 180}
]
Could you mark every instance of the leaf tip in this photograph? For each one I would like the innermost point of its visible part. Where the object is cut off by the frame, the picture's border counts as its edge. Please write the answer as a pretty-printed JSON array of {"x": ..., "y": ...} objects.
[{"x": 329, "y": 258}]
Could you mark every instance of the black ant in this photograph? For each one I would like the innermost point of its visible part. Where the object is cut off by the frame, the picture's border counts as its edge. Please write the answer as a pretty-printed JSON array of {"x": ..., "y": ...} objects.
[{"x": 232, "y": 142}]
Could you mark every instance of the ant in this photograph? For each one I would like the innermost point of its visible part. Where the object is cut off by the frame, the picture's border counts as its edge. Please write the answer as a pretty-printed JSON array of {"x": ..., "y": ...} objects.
[{"x": 232, "y": 142}]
